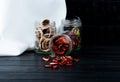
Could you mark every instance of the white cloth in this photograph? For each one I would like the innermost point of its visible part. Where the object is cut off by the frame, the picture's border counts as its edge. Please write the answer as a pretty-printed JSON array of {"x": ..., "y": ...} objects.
[{"x": 17, "y": 19}]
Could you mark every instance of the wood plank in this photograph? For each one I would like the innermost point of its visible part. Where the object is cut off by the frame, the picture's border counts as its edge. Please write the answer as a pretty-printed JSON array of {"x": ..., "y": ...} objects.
[
  {"x": 36, "y": 76},
  {"x": 48, "y": 80},
  {"x": 42, "y": 63},
  {"x": 60, "y": 76},
  {"x": 36, "y": 68}
]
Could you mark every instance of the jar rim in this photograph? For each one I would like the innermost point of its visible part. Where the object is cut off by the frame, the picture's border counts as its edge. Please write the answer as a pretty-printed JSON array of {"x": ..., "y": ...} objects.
[{"x": 67, "y": 38}]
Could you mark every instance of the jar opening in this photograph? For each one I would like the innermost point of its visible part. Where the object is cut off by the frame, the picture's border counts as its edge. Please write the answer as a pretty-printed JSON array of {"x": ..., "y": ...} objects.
[{"x": 61, "y": 45}]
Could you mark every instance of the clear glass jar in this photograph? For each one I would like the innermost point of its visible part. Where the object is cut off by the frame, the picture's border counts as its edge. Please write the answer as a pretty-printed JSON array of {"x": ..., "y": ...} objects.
[
  {"x": 69, "y": 24},
  {"x": 45, "y": 30},
  {"x": 74, "y": 25},
  {"x": 64, "y": 43}
]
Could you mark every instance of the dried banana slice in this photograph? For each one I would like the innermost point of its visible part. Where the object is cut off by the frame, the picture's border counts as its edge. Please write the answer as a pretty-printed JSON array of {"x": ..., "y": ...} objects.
[
  {"x": 41, "y": 41},
  {"x": 42, "y": 44},
  {"x": 47, "y": 43}
]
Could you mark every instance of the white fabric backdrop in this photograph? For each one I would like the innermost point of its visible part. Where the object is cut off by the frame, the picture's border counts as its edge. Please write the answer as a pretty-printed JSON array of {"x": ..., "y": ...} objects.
[{"x": 17, "y": 19}]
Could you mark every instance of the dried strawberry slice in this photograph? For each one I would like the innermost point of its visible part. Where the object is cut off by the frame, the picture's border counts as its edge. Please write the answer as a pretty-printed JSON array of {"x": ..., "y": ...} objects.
[
  {"x": 54, "y": 67},
  {"x": 69, "y": 63},
  {"x": 59, "y": 52},
  {"x": 54, "y": 47},
  {"x": 53, "y": 63},
  {"x": 69, "y": 58},
  {"x": 55, "y": 60},
  {"x": 65, "y": 41},
  {"x": 46, "y": 58},
  {"x": 47, "y": 66}
]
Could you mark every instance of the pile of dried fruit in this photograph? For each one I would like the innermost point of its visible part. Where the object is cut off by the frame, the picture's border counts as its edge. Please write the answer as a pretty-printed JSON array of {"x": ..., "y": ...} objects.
[
  {"x": 61, "y": 46},
  {"x": 56, "y": 62}
]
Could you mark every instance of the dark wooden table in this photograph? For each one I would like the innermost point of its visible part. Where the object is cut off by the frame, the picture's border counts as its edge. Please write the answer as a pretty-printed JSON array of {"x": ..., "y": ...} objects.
[{"x": 97, "y": 64}]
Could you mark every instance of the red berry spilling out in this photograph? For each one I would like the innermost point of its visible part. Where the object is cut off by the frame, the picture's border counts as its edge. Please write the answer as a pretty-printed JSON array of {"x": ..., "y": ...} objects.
[{"x": 56, "y": 62}]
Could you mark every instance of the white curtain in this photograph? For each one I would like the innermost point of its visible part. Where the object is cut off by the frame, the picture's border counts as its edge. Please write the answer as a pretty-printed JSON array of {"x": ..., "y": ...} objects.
[{"x": 17, "y": 19}]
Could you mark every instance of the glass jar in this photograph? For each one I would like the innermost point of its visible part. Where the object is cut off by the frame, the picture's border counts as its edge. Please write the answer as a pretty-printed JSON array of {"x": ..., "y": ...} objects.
[
  {"x": 64, "y": 43},
  {"x": 69, "y": 24},
  {"x": 74, "y": 25},
  {"x": 45, "y": 30}
]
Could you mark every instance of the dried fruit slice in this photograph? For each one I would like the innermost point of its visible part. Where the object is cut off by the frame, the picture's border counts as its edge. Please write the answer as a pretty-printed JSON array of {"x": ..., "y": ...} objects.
[
  {"x": 54, "y": 66},
  {"x": 46, "y": 58},
  {"x": 48, "y": 66}
]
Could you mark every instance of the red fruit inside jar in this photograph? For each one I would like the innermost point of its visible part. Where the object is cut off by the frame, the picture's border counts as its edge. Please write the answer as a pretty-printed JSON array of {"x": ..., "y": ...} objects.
[
  {"x": 74, "y": 38},
  {"x": 60, "y": 44}
]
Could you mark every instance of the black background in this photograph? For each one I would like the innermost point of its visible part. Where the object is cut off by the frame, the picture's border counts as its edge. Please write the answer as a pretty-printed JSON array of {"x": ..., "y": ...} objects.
[
  {"x": 100, "y": 20},
  {"x": 100, "y": 35}
]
